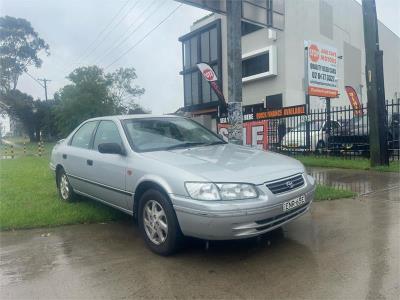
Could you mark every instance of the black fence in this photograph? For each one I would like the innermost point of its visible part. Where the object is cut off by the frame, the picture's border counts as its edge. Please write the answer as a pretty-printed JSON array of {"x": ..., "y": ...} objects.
[{"x": 344, "y": 132}]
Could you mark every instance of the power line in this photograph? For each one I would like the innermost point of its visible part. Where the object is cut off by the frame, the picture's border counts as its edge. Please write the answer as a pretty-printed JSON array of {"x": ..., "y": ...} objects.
[
  {"x": 115, "y": 26},
  {"x": 101, "y": 32},
  {"x": 144, "y": 37},
  {"x": 37, "y": 81},
  {"x": 127, "y": 34}
]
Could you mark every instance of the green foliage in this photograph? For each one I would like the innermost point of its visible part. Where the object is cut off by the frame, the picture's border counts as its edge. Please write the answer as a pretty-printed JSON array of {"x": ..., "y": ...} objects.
[
  {"x": 35, "y": 116},
  {"x": 92, "y": 93},
  {"x": 20, "y": 45}
]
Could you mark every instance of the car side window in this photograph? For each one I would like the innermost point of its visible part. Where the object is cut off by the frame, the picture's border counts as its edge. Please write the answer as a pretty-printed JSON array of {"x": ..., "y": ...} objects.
[
  {"x": 82, "y": 137},
  {"x": 107, "y": 132}
]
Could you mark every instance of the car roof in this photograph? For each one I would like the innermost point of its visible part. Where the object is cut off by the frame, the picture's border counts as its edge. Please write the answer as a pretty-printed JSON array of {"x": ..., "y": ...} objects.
[{"x": 136, "y": 116}]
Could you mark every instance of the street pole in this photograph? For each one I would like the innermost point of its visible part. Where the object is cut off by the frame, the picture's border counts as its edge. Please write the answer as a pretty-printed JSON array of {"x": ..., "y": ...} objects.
[
  {"x": 307, "y": 98},
  {"x": 234, "y": 49},
  {"x": 45, "y": 86},
  {"x": 375, "y": 86},
  {"x": 328, "y": 121}
]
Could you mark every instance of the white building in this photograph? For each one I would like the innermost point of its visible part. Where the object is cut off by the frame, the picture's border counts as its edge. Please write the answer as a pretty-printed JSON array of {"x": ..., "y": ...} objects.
[{"x": 273, "y": 60}]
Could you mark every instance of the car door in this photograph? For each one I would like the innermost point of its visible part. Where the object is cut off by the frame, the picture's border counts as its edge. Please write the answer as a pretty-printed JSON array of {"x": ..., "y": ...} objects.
[
  {"x": 75, "y": 154},
  {"x": 108, "y": 171}
]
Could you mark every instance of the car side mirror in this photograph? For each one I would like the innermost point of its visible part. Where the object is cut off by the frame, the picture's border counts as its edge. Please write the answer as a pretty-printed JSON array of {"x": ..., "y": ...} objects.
[{"x": 111, "y": 148}]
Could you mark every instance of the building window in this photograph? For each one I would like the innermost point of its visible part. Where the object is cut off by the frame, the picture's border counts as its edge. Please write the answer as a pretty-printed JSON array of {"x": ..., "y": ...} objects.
[
  {"x": 259, "y": 64},
  {"x": 201, "y": 45},
  {"x": 249, "y": 28},
  {"x": 255, "y": 65}
]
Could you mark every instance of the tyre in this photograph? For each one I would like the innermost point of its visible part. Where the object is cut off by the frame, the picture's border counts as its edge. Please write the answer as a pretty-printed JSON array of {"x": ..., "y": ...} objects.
[
  {"x": 158, "y": 223},
  {"x": 65, "y": 191}
]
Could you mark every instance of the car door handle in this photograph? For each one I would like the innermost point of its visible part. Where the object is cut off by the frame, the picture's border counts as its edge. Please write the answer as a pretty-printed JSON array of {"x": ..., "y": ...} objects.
[
  {"x": 64, "y": 156},
  {"x": 89, "y": 162}
]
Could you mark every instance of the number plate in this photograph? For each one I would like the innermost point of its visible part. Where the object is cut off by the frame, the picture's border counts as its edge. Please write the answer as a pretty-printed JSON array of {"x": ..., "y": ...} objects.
[{"x": 289, "y": 205}]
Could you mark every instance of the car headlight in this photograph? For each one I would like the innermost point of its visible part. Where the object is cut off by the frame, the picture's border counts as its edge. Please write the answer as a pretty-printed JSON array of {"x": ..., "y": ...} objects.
[{"x": 220, "y": 191}]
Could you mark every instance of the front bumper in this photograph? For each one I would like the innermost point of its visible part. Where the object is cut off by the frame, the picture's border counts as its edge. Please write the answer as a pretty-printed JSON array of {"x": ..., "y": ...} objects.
[{"x": 227, "y": 220}]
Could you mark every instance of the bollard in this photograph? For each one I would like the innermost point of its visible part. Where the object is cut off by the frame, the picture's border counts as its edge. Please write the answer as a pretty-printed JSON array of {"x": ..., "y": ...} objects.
[
  {"x": 39, "y": 150},
  {"x": 24, "y": 148},
  {"x": 12, "y": 151},
  {"x": 6, "y": 151}
]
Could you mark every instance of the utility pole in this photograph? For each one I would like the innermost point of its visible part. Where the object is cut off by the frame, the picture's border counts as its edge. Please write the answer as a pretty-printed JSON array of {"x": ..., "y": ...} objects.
[
  {"x": 234, "y": 49},
  {"x": 44, "y": 85},
  {"x": 375, "y": 86}
]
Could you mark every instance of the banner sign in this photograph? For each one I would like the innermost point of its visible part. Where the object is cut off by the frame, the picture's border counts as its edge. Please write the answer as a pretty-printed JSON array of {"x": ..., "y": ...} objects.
[
  {"x": 210, "y": 76},
  {"x": 355, "y": 103},
  {"x": 322, "y": 67},
  {"x": 259, "y": 125}
]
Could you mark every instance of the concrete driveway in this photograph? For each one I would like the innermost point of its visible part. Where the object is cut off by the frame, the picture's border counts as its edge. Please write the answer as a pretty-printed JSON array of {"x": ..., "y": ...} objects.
[{"x": 342, "y": 249}]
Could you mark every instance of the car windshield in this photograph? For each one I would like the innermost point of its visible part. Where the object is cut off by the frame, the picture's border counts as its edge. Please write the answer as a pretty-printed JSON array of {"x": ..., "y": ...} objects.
[
  {"x": 314, "y": 125},
  {"x": 155, "y": 134}
]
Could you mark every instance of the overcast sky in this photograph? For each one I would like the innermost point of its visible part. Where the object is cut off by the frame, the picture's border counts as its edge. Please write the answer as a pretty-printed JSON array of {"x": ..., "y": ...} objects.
[{"x": 70, "y": 27}]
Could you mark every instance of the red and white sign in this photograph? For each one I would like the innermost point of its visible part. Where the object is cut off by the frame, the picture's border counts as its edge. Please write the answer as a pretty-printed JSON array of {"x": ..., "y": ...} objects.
[
  {"x": 207, "y": 71},
  {"x": 355, "y": 103},
  {"x": 322, "y": 68}
]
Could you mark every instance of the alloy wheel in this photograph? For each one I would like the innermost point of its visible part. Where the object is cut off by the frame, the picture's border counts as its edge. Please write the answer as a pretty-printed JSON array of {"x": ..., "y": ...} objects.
[{"x": 155, "y": 222}]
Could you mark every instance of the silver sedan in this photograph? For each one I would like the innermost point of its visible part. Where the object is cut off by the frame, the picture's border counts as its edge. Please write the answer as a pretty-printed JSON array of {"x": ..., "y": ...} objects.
[{"x": 180, "y": 179}]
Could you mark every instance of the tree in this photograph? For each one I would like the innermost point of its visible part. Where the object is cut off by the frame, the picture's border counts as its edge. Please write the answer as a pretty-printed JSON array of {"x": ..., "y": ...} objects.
[
  {"x": 21, "y": 105},
  {"x": 92, "y": 93},
  {"x": 20, "y": 45},
  {"x": 124, "y": 90}
]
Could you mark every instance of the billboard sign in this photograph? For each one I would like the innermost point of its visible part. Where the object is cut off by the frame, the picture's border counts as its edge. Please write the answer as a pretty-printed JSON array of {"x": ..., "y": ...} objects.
[{"x": 322, "y": 68}]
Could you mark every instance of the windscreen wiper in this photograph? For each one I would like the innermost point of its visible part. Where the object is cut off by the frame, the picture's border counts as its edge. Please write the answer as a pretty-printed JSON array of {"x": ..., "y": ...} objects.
[{"x": 184, "y": 145}]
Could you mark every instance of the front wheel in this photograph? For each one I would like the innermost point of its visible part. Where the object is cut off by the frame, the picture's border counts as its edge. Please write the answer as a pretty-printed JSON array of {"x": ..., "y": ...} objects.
[
  {"x": 65, "y": 190},
  {"x": 158, "y": 223}
]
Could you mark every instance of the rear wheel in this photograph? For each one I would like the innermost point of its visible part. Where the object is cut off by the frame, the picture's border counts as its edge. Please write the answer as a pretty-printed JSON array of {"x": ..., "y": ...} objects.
[
  {"x": 158, "y": 223},
  {"x": 65, "y": 190}
]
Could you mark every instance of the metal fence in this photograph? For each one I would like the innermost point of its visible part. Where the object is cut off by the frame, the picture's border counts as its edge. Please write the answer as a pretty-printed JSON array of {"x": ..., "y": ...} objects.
[{"x": 344, "y": 132}]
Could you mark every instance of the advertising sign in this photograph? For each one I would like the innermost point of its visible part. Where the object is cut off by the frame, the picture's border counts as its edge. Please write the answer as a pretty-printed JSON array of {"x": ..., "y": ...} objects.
[
  {"x": 260, "y": 125},
  {"x": 355, "y": 103},
  {"x": 210, "y": 76},
  {"x": 322, "y": 67}
]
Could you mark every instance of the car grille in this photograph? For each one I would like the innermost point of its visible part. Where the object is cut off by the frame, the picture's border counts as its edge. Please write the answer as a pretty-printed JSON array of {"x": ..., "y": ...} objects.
[
  {"x": 279, "y": 219},
  {"x": 286, "y": 184}
]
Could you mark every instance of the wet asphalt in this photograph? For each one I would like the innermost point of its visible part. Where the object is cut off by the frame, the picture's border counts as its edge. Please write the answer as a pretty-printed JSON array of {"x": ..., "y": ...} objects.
[{"x": 342, "y": 249}]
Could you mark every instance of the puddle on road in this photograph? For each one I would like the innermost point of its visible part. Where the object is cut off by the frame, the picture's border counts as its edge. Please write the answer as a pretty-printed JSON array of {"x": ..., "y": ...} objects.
[{"x": 361, "y": 182}]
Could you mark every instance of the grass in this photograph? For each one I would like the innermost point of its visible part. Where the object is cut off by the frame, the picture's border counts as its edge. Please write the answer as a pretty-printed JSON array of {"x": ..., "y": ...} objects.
[
  {"x": 334, "y": 162},
  {"x": 28, "y": 198},
  {"x": 324, "y": 192}
]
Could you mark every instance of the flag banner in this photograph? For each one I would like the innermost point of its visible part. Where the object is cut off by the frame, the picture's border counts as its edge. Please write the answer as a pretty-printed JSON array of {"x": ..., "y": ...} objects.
[
  {"x": 210, "y": 76},
  {"x": 355, "y": 103}
]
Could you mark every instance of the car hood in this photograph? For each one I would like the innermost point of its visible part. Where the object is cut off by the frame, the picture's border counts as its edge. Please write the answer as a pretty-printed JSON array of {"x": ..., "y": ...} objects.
[{"x": 229, "y": 163}]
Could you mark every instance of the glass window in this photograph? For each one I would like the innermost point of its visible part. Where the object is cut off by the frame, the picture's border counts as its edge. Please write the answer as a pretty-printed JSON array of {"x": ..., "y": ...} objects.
[
  {"x": 157, "y": 134},
  {"x": 187, "y": 88},
  {"x": 83, "y": 136},
  {"x": 205, "y": 87},
  {"x": 107, "y": 132},
  {"x": 193, "y": 51},
  {"x": 195, "y": 88},
  {"x": 249, "y": 28},
  {"x": 186, "y": 53},
  {"x": 205, "y": 46},
  {"x": 213, "y": 44},
  {"x": 255, "y": 65}
]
